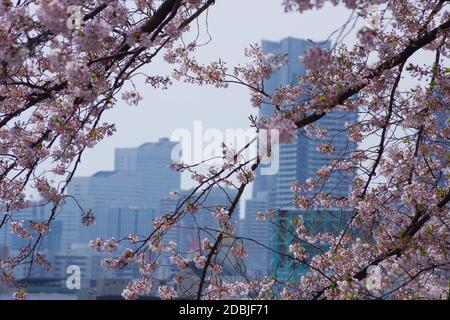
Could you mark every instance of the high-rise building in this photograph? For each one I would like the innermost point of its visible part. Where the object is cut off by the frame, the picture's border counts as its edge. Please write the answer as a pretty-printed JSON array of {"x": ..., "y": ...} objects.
[
  {"x": 299, "y": 160},
  {"x": 141, "y": 177},
  {"x": 443, "y": 121},
  {"x": 283, "y": 234},
  {"x": 64, "y": 229},
  {"x": 4, "y": 233},
  {"x": 288, "y": 74},
  {"x": 151, "y": 162},
  {"x": 124, "y": 221},
  {"x": 126, "y": 199},
  {"x": 257, "y": 234}
]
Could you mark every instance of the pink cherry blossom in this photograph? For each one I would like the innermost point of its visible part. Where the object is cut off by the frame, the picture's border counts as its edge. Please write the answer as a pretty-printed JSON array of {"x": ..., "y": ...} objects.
[
  {"x": 167, "y": 293},
  {"x": 286, "y": 128},
  {"x": 200, "y": 261},
  {"x": 316, "y": 58},
  {"x": 239, "y": 251},
  {"x": 221, "y": 214},
  {"x": 148, "y": 268},
  {"x": 136, "y": 289},
  {"x": 246, "y": 176},
  {"x": 88, "y": 218},
  {"x": 62, "y": 74}
]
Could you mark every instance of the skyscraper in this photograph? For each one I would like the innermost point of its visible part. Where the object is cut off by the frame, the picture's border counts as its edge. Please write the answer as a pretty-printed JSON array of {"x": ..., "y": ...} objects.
[
  {"x": 151, "y": 163},
  {"x": 257, "y": 261},
  {"x": 123, "y": 199},
  {"x": 64, "y": 229},
  {"x": 288, "y": 74},
  {"x": 141, "y": 177},
  {"x": 299, "y": 160},
  {"x": 129, "y": 221}
]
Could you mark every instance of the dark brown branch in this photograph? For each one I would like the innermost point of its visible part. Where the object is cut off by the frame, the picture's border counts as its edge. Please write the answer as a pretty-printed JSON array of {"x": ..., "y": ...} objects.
[{"x": 388, "y": 64}]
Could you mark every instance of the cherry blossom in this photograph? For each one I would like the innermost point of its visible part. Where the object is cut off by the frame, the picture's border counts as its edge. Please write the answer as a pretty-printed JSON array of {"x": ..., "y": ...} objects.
[
  {"x": 239, "y": 251},
  {"x": 200, "y": 261},
  {"x": 221, "y": 214},
  {"x": 286, "y": 128},
  {"x": 316, "y": 58},
  {"x": 136, "y": 289},
  {"x": 58, "y": 81},
  {"x": 88, "y": 218},
  {"x": 246, "y": 176},
  {"x": 167, "y": 293},
  {"x": 148, "y": 268}
]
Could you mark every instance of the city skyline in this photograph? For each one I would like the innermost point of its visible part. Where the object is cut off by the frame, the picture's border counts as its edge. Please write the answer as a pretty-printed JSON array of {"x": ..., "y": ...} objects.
[{"x": 224, "y": 149}]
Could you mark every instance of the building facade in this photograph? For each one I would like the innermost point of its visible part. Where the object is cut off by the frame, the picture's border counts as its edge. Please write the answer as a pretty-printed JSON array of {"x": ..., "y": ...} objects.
[{"x": 298, "y": 161}]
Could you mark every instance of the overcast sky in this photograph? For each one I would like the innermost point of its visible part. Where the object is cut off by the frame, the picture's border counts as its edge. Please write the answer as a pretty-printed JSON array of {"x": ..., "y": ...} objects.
[{"x": 233, "y": 24}]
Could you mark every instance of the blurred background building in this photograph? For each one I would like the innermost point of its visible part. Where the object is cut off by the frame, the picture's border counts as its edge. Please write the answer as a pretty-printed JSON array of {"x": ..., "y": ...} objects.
[
  {"x": 298, "y": 161},
  {"x": 126, "y": 201}
]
